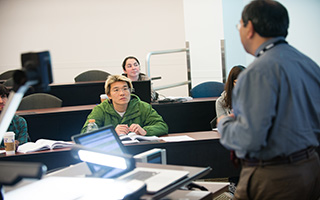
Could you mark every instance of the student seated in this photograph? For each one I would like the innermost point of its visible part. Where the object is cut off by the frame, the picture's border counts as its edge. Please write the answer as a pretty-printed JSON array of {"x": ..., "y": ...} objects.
[
  {"x": 126, "y": 111},
  {"x": 131, "y": 69},
  {"x": 18, "y": 124},
  {"x": 223, "y": 103}
]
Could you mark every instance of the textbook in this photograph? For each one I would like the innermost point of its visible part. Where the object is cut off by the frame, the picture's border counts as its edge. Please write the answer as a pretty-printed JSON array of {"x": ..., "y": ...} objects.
[
  {"x": 134, "y": 138},
  {"x": 43, "y": 144}
]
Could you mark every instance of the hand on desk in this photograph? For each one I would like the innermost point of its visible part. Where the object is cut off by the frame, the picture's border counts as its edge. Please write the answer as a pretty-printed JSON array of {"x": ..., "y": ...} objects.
[
  {"x": 123, "y": 129},
  {"x": 137, "y": 129},
  {"x": 223, "y": 116}
]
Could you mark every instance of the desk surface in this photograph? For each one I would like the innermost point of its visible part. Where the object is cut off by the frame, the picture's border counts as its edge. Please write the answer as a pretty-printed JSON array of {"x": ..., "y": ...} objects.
[
  {"x": 53, "y": 159},
  {"x": 55, "y": 110},
  {"x": 81, "y": 169},
  {"x": 204, "y": 151},
  {"x": 91, "y": 106},
  {"x": 194, "y": 174}
]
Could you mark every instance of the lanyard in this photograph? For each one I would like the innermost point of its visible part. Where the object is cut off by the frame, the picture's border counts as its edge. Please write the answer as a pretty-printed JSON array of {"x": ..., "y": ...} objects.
[{"x": 270, "y": 46}]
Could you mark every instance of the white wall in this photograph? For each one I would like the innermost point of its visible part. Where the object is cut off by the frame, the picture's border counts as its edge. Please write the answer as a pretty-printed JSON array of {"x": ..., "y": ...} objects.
[
  {"x": 235, "y": 53},
  {"x": 204, "y": 31},
  {"x": 95, "y": 34},
  {"x": 98, "y": 34},
  {"x": 303, "y": 29}
]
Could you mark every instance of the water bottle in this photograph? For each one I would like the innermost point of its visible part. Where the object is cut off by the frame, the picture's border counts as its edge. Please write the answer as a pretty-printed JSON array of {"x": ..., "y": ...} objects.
[{"x": 92, "y": 126}]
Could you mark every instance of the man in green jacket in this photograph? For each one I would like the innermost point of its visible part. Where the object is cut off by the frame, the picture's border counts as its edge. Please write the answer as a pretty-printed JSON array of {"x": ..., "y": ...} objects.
[{"x": 125, "y": 111}]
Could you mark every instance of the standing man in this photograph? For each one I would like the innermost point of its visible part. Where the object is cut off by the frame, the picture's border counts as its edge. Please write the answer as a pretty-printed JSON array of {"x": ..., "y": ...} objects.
[{"x": 276, "y": 121}]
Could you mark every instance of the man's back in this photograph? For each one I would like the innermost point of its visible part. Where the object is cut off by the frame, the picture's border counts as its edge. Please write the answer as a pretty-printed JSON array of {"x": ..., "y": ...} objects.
[{"x": 281, "y": 89}]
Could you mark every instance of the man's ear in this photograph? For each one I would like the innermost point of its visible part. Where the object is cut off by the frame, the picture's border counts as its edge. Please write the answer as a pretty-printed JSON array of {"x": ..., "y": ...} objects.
[{"x": 250, "y": 30}]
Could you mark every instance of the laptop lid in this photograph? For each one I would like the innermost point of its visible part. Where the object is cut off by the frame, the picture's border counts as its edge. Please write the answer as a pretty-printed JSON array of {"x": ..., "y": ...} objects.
[
  {"x": 143, "y": 90},
  {"x": 104, "y": 140}
]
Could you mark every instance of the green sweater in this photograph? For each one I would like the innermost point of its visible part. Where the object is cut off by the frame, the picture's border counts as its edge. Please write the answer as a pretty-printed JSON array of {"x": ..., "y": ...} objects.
[{"x": 138, "y": 112}]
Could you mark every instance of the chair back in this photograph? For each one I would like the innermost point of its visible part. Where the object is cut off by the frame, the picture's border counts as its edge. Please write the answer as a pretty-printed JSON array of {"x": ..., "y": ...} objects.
[
  {"x": 39, "y": 101},
  {"x": 207, "y": 89},
  {"x": 9, "y": 82},
  {"x": 92, "y": 75},
  {"x": 7, "y": 74}
]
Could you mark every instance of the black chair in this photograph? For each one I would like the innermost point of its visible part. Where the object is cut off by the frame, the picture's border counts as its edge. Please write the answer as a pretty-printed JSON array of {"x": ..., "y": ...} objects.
[
  {"x": 207, "y": 89},
  {"x": 39, "y": 101},
  {"x": 9, "y": 82},
  {"x": 7, "y": 74},
  {"x": 92, "y": 75}
]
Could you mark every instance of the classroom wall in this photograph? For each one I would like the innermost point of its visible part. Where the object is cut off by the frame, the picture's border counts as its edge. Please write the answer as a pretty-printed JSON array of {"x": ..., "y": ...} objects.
[
  {"x": 204, "y": 30},
  {"x": 98, "y": 34},
  {"x": 303, "y": 29},
  {"x": 95, "y": 34}
]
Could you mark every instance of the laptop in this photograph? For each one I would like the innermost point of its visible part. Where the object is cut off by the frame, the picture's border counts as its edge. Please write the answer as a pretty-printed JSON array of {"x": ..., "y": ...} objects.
[
  {"x": 106, "y": 140},
  {"x": 143, "y": 90}
]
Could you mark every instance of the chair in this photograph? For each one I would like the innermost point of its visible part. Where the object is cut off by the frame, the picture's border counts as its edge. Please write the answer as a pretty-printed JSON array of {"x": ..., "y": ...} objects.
[
  {"x": 7, "y": 74},
  {"x": 207, "y": 89},
  {"x": 38, "y": 101},
  {"x": 9, "y": 82},
  {"x": 92, "y": 75}
]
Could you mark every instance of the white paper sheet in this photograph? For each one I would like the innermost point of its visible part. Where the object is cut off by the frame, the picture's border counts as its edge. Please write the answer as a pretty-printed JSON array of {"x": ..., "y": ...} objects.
[{"x": 177, "y": 138}]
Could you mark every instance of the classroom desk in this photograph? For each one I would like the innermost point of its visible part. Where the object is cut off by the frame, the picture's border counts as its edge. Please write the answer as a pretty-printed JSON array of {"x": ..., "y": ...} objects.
[
  {"x": 73, "y": 94},
  {"x": 204, "y": 151},
  {"x": 62, "y": 123},
  {"x": 53, "y": 159},
  {"x": 194, "y": 174},
  {"x": 81, "y": 169},
  {"x": 55, "y": 123},
  {"x": 188, "y": 116}
]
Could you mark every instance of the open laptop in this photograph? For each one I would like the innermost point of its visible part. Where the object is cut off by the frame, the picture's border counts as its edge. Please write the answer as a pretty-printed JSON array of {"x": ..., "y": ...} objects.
[
  {"x": 106, "y": 140},
  {"x": 143, "y": 90}
]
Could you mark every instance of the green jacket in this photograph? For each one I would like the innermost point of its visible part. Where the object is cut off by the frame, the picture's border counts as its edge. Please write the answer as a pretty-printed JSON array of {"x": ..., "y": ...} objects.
[{"x": 138, "y": 112}]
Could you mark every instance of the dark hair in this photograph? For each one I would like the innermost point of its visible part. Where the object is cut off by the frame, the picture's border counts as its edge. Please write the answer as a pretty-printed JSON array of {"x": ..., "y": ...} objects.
[
  {"x": 125, "y": 60},
  {"x": 233, "y": 75},
  {"x": 269, "y": 18},
  {"x": 4, "y": 90}
]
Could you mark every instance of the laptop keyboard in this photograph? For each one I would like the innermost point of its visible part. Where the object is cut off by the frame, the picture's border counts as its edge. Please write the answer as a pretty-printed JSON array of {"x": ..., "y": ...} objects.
[{"x": 141, "y": 175}]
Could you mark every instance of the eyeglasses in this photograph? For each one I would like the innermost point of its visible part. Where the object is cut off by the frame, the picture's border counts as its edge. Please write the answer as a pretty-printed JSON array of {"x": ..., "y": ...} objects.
[
  {"x": 124, "y": 89},
  {"x": 238, "y": 26}
]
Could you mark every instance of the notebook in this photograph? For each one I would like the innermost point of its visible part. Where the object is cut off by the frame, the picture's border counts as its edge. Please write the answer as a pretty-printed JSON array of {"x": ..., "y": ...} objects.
[
  {"x": 143, "y": 90},
  {"x": 106, "y": 140}
]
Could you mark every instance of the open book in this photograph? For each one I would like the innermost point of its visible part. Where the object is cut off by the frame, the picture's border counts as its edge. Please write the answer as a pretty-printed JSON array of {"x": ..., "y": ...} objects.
[
  {"x": 134, "y": 138},
  {"x": 43, "y": 144}
]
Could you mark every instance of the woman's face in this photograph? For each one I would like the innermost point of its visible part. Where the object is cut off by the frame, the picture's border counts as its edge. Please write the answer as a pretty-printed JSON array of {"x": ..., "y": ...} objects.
[
  {"x": 3, "y": 101},
  {"x": 119, "y": 93},
  {"x": 132, "y": 69}
]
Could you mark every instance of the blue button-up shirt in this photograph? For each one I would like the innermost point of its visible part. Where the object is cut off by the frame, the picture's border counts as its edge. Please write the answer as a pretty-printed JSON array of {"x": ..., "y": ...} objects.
[{"x": 276, "y": 103}]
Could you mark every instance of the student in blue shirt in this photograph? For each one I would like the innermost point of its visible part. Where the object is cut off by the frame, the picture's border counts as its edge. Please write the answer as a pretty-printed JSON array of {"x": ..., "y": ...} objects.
[
  {"x": 18, "y": 124},
  {"x": 275, "y": 125}
]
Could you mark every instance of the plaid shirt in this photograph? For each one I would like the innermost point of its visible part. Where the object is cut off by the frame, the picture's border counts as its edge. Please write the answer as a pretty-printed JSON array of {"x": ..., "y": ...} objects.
[{"x": 19, "y": 126}]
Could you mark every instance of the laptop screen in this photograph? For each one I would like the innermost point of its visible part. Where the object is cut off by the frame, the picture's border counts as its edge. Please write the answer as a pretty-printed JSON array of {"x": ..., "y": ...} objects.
[
  {"x": 105, "y": 140},
  {"x": 143, "y": 90}
]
